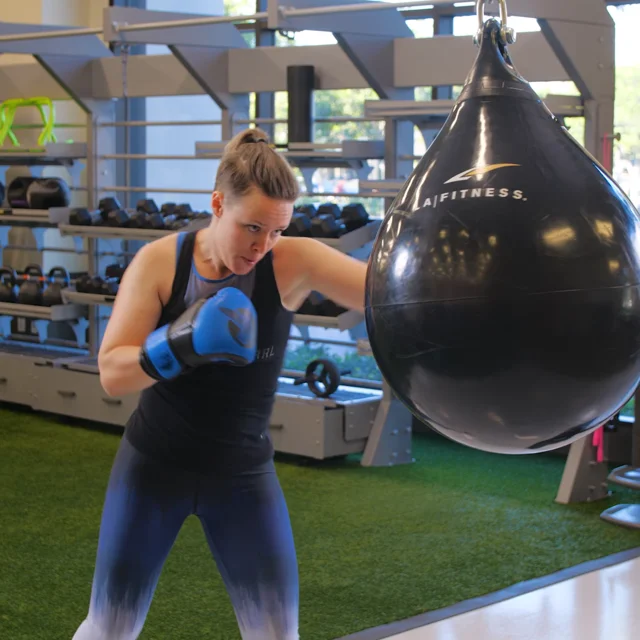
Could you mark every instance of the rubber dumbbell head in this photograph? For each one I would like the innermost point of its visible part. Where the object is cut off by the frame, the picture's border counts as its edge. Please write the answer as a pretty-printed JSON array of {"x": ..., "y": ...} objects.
[
  {"x": 118, "y": 218},
  {"x": 300, "y": 226},
  {"x": 326, "y": 226},
  {"x": 354, "y": 216},
  {"x": 330, "y": 208},
  {"x": 108, "y": 204},
  {"x": 184, "y": 210},
  {"x": 168, "y": 208},
  {"x": 308, "y": 209},
  {"x": 147, "y": 205},
  {"x": 83, "y": 217}
]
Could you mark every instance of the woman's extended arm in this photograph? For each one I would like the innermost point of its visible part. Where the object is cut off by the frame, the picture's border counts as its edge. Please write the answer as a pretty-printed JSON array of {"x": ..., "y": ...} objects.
[{"x": 318, "y": 267}]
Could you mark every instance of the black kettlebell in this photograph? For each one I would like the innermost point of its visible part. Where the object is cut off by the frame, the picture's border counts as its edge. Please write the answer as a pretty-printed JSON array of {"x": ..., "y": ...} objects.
[
  {"x": 31, "y": 288},
  {"x": 8, "y": 289},
  {"x": 57, "y": 279}
]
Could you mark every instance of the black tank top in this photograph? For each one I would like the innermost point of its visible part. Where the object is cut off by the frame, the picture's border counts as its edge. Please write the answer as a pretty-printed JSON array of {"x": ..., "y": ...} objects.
[{"x": 216, "y": 417}]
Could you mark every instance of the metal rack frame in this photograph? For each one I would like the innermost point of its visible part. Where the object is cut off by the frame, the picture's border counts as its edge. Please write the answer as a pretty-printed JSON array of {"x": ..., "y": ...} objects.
[{"x": 376, "y": 49}]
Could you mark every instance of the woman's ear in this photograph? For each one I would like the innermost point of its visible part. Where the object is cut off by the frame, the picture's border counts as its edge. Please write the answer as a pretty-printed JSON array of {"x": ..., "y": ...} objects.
[{"x": 216, "y": 203}]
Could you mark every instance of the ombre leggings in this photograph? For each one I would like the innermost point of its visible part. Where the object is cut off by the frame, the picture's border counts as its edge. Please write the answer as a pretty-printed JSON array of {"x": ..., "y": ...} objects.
[{"x": 246, "y": 523}]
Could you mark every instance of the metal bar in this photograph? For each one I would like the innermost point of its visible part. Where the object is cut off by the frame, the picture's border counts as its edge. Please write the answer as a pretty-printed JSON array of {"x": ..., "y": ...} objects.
[
  {"x": 191, "y": 22},
  {"x": 151, "y": 189},
  {"x": 61, "y": 125},
  {"x": 176, "y": 123},
  {"x": 144, "y": 156},
  {"x": 373, "y": 6},
  {"x": 337, "y": 343},
  {"x": 24, "y": 247},
  {"x": 305, "y": 194},
  {"x": 41, "y": 35},
  {"x": 159, "y": 123}
]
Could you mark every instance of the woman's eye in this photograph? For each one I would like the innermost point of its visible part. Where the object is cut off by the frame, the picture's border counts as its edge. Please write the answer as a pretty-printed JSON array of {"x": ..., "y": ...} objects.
[{"x": 253, "y": 228}]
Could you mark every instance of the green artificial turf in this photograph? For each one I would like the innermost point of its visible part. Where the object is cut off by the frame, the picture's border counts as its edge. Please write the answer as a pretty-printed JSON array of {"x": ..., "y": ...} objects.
[{"x": 374, "y": 544}]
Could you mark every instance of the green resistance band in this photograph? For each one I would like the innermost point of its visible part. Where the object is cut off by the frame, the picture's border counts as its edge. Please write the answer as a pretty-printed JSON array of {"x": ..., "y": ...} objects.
[{"x": 8, "y": 110}]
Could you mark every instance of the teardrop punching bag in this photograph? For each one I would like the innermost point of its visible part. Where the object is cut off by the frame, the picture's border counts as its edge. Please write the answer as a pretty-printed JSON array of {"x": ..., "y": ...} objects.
[{"x": 502, "y": 297}]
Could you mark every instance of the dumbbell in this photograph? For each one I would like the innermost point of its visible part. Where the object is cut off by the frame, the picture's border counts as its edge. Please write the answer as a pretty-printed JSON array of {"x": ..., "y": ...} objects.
[
  {"x": 330, "y": 309},
  {"x": 147, "y": 205},
  {"x": 85, "y": 218},
  {"x": 142, "y": 220},
  {"x": 300, "y": 226},
  {"x": 118, "y": 218},
  {"x": 312, "y": 305},
  {"x": 83, "y": 284},
  {"x": 329, "y": 208},
  {"x": 109, "y": 286},
  {"x": 184, "y": 210},
  {"x": 108, "y": 204},
  {"x": 168, "y": 208},
  {"x": 90, "y": 284},
  {"x": 115, "y": 271},
  {"x": 327, "y": 226},
  {"x": 354, "y": 216},
  {"x": 308, "y": 209}
]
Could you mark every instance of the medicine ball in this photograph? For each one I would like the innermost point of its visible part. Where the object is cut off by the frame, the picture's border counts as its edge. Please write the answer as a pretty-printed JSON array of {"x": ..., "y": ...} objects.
[
  {"x": 502, "y": 294},
  {"x": 44, "y": 193},
  {"x": 17, "y": 192}
]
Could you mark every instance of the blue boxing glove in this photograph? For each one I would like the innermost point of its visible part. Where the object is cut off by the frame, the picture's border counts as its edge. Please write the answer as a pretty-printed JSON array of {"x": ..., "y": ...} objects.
[{"x": 223, "y": 328}]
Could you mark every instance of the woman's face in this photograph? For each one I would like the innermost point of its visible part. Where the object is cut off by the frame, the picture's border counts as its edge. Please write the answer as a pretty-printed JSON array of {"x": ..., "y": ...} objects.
[{"x": 247, "y": 227}]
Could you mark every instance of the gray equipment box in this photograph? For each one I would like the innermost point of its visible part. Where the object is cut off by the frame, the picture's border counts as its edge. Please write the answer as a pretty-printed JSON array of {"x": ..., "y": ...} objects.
[{"x": 305, "y": 425}]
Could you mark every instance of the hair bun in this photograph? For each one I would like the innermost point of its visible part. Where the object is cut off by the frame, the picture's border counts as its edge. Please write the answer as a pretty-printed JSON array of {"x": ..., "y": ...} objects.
[{"x": 248, "y": 136}]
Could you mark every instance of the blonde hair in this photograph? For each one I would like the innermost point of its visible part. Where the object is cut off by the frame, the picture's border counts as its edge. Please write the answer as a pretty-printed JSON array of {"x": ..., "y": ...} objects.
[{"x": 250, "y": 161}]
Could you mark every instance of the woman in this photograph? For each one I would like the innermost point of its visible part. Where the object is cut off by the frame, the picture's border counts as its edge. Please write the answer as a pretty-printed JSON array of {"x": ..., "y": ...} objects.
[{"x": 200, "y": 327}]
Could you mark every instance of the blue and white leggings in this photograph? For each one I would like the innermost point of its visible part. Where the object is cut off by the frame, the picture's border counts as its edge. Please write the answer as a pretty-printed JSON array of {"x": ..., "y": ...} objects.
[{"x": 246, "y": 523}]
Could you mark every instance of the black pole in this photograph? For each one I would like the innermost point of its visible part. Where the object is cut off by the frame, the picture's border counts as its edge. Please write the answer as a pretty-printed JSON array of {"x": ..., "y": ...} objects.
[{"x": 300, "y": 86}]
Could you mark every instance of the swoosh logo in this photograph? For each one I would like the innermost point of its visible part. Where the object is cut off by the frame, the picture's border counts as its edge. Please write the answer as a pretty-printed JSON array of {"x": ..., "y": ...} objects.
[
  {"x": 478, "y": 171},
  {"x": 240, "y": 326}
]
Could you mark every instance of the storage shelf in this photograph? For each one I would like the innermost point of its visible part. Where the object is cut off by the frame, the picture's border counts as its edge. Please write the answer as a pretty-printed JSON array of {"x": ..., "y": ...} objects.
[
  {"x": 437, "y": 111},
  {"x": 26, "y": 218},
  {"x": 113, "y": 233},
  {"x": 74, "y": 297},
  {"x": 383, "y": 188},
  {"x": 343, "y": 322},
  {"x": 313, "y": 155},
  {"x": 56, "y": 312},
  {"x": 347, "y": 243},
  {"x": 57, "y": 153}
]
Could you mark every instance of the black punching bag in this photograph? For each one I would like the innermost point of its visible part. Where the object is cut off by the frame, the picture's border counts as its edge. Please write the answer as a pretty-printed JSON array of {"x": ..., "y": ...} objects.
[{"x": 502, "y": 300}]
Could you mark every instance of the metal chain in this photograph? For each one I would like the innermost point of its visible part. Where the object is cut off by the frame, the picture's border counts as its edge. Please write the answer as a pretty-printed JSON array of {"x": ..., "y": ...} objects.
[{"x": 507, "y": 33}]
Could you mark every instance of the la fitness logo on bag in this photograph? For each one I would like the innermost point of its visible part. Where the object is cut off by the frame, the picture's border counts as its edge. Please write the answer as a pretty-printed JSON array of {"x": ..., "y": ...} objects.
[{"x": 476, "y": 192}]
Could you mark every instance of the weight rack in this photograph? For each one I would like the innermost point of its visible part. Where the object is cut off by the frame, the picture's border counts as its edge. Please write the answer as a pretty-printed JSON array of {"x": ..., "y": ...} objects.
[{"x": 76, "y": 64}]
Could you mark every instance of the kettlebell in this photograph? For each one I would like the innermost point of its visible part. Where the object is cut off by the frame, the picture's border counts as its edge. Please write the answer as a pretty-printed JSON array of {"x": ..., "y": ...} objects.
[
  {"x": 8, "y": 289},
  {"x": 31, "y": 289},
  {"x": 57, "y": 279}
]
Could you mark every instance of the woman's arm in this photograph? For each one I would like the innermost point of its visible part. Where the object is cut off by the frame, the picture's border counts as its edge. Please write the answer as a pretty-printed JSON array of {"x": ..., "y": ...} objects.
[
  {"x": 135, "y": 315},
  {"x": 318, "y": 267}
]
